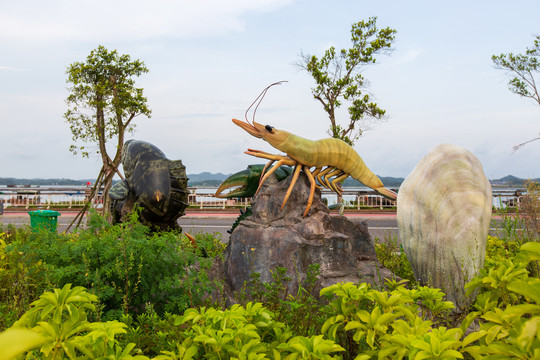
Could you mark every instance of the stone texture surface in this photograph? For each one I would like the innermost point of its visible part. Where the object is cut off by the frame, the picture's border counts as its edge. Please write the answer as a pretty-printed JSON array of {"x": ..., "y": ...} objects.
[
  {"x": 273, "y": 237},
  {"x": 443, "y": 214},
  {"x": 154, "y": 183}
]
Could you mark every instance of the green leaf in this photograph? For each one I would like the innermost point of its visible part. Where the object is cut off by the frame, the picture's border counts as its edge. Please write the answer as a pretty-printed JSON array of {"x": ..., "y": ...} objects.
[
  {"x": 365, "y": 316},
  {"x": 354, "y": 325},
  {"x": 69, "y": 349},
  {"x": 472, "y": 337},
  {"x": 16, "y": 341},
  {"x": 530, "y": 330},
  {"x": 299, "y": 348},
  {"x": 530, "y": 289},
  {"x": 362, "y": 357},
  {"x": 205, "y": 339},
  {"x": 468, "y": 320},
  {"x": 529, "y": 251},
  {"x": 370, "y": 338},
  {"x": 451, "y": 354},
  {"x": 48, "y": 329},
  {"x": 423, "y": 355},
  {"x": 421, "y": 344},
  {"x": 493, "y": 333},
  {"x": 477, "y": 352}
]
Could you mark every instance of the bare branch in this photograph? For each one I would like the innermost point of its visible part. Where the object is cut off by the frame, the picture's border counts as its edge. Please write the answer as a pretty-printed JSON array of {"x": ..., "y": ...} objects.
[{"x": 517, "y": 147}]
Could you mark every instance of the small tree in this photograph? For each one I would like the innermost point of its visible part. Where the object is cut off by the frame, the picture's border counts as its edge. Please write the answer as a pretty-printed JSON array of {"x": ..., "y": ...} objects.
[
  {"x": 102, "y": 104},
  {"x": 338, "y": 78},
  {"x": 522, "y": 68}
]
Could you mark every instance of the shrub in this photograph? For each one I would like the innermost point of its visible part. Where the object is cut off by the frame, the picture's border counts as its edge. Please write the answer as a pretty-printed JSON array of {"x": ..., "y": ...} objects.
[
  {"x": 364, "y": 323},
  {"x": 126, "y": 265},
  {"x": 529, "y": 207},
  {"x": 59, "y": 318},
  {"x": 21, "y": 281},
  {"x": 57, "y": 327},
  {"x": 391, "y": 255},
  {"x": 304, "y": 311},
  {"x": 508, "y": 308}
]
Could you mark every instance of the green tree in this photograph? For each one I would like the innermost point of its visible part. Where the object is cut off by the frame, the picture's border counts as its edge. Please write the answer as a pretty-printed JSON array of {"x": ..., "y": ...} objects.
[
  {"x": 102, "y": 105},
  {"x": 338, "y": 77},
  {"x": 522, "y": 68}
]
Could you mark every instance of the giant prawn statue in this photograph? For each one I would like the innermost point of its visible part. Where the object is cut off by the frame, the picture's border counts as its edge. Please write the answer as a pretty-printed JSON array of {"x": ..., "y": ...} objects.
[{"x": 332, "y": 160}]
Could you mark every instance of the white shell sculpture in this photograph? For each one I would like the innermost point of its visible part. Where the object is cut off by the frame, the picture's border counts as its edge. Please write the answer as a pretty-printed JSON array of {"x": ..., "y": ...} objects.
[{"x": 443, "y": 213}]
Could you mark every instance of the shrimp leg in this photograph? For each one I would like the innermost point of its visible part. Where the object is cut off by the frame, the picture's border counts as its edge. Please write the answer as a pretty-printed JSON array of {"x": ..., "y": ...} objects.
[{"x": 297, "y": 169}]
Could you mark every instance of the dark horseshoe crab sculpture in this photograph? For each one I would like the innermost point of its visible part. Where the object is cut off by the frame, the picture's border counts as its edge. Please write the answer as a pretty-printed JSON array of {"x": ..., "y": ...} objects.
[{"x": 152, "y": 182}]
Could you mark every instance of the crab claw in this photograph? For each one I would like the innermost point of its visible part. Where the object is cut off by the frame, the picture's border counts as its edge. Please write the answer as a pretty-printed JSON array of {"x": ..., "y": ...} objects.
[
  {"x": 245, "y": 182},
  {"x": 248, "y": 181}
]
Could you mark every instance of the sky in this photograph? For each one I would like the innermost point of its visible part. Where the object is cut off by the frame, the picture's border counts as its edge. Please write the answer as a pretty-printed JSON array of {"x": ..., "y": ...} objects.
[{"x": 209, "y": 60}]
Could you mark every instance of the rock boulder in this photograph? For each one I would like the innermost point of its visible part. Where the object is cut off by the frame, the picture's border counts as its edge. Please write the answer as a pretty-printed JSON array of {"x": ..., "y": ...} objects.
[{"x": 273, "y": 237}]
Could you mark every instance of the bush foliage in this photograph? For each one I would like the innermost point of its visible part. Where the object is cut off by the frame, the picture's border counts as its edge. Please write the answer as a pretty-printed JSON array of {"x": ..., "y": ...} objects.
[
  {"x": 121, "y": 292},
  {"x": 125, "y": 265}
]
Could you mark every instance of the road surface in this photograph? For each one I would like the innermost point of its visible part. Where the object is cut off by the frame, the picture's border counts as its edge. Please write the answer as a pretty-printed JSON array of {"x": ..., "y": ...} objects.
[{"x": 382, "y": 226}]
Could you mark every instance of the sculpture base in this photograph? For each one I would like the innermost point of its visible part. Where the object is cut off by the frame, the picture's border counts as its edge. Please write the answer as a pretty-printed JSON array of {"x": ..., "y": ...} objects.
[{"x": 273, "y": 237}]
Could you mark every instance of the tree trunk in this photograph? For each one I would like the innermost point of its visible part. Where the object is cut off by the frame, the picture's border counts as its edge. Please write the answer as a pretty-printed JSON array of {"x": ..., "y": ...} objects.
[{"x": 107, "y": 184}]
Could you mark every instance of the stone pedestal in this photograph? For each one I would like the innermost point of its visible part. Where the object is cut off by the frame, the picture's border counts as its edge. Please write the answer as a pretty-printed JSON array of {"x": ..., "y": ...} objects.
[{"x": 273, "y": 237}]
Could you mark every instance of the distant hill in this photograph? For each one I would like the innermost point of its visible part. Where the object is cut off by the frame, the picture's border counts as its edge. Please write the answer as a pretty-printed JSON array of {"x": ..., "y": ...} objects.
[
  {"x": 388, "y": 181},
  {"x": 206, "y": 179},
  {"x": 41, "y": 182},
  {"x": 510, "y": 180},
  {"x": 209, "y": 179},
  {"x": 202, "y": 179},
  {"x": 204, "y": 182}
]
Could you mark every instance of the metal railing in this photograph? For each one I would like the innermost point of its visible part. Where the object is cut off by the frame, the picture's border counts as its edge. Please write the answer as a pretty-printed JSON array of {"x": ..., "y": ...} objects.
[
  {"x": 208, "y": 201},
  {"x": 73, "y": 197},
  {"x": 47, "y": 197}
]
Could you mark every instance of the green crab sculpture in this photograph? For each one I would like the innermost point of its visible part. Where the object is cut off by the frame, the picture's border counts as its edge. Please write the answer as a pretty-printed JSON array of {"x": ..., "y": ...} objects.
[
  {"x": 153, "y": 183},
  {"x": 245, "y": 183}
]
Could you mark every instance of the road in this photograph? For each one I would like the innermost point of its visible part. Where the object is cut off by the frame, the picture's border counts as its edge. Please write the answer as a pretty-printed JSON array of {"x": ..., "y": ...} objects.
[{"x": 382, "y": 226}]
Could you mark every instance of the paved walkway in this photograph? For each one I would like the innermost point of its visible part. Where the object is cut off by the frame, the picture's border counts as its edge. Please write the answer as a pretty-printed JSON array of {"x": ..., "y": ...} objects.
[
  {"x": 210, "y": 221},
  {"x": 200, "y": 214}
]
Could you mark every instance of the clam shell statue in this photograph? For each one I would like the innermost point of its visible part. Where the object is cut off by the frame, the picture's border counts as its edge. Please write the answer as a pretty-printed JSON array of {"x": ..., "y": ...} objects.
[{"x": 443, "y": 214}]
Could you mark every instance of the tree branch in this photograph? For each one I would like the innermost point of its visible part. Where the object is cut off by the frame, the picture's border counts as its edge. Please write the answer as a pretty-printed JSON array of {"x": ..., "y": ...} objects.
[{"x": 526, "y": 142}]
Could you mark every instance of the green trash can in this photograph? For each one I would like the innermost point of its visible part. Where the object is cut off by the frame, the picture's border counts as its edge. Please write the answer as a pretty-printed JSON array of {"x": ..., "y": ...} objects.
[{"x": 43, "y": 219}]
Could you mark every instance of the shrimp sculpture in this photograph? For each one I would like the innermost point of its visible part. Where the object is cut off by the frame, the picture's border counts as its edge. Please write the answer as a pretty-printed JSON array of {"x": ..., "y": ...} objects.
[{"x": 332, "y": 160}]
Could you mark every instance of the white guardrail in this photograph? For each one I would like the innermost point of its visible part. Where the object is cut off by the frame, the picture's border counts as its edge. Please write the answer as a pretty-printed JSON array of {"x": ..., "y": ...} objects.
[
  {"x": 38, "y": 196},
  {"x": 70, "y": 197}
]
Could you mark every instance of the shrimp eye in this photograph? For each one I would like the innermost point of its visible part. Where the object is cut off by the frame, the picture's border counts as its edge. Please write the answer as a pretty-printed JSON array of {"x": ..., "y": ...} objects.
[{"x": 269, "y": 129}]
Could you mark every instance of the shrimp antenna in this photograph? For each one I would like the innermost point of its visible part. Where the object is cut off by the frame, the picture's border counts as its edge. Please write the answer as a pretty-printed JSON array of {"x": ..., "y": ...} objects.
[{"x": 261, "y": 97}]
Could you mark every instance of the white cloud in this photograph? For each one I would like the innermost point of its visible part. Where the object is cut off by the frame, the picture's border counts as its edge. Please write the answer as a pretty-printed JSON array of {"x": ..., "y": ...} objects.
[
  {"x": 408, "y": 56},
  {"x": 9, "y": 68},
  {"x": 124, "y": 19},
  {"x": 202, "y": 74}
]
